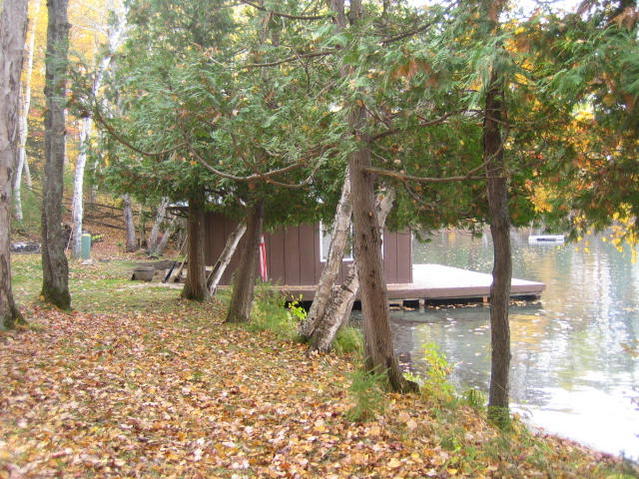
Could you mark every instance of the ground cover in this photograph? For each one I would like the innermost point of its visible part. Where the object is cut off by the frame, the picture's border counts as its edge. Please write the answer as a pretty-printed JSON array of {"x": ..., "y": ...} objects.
[{"x": 137, "y": 383}]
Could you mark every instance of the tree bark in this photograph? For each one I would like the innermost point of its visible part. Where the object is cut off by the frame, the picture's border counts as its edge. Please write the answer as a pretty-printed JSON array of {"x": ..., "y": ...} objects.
[
  {"x": 244, "y": 282},
  {"x": 155, "y": 230},
  {"x": 225, "y": 257},
  {"x": 77, "y": 204},
  {"x": 497, "y": 192},
  {"x": 55, "y": 287},
  {"x": 378, "y": 348},
  {"x": 379, "y": 354},
  {"x": 114, "y": 40},
  {"x": 127, "y": 211},
  {"x": 195, "y": 285},
  {"x": 502, "y": 267},
  {"x": 340, "y": 303},
  {"x": 13, "y": 25},
  {"x": 24, "y": 120},
  {"x": 167, "y": 235},
  {"x": 330, "y": 273}
]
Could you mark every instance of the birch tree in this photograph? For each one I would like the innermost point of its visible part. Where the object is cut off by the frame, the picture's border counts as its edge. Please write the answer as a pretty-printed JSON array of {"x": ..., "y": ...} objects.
[
  {"x": 129, "y": 225},
  {"x": 24, "y": 118},
  {"x": 13, "y": 25},
  {"x": 341, "y": 298},
  {"x": 155, "y": 229},
  {"x": 115, "y": 38},
  {"x": 339, "y": 238}
]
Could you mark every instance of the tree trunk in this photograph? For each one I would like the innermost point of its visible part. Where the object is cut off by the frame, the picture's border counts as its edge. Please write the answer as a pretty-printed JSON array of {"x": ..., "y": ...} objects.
[
  {"x": 195, "y": 284},
  {"x": 142, "y": 227},
  {"x": 77, "y": 204},
  {"x": 13, "y": 25},
  {"x": 55, "y": 287},
  {"x": 127, "y": 210},
  {"x": 244, "y": 282},
  {"x": 497, "y": 192},
  {"x": 340, "y": 303},
  {"x": 24, "y": 120},
  {"x": 502, "y": 267},
  {"x": 337, "y": 313},
  {"x": 167, "y": 235},
  {"x": 379, "y": 354},
  {"x": 155, "y": 230},
  {"x": 330, "y": 273},
  {"x": 114, "y": 40},
  {"x": 225, "y": 257}
]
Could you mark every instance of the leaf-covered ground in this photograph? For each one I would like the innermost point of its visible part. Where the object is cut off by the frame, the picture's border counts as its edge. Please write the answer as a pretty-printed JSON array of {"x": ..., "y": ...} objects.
[{"x": 167, "y": 390}]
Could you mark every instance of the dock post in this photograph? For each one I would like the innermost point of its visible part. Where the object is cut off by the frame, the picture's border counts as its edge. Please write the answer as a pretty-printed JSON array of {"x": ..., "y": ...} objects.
[{"x": 422, "y": 304}]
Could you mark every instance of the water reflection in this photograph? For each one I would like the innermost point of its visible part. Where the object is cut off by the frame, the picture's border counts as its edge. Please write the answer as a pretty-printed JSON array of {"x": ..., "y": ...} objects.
[{"x": 570, "y": 370}]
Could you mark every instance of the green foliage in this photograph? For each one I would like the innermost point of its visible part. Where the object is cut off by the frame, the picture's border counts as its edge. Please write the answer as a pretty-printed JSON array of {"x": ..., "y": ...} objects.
[
  {"x": 367, "y": 392},
  {"x": 271, "y": 314},
  {"x": 296, "y": 310},
  {"x": 348, "y": 340},
  {"x": 499, "y": 416},
  {"x": 31, "y": 213},
  {"x": 475, "y": 398},
  {"x": 436, "y": 384}
]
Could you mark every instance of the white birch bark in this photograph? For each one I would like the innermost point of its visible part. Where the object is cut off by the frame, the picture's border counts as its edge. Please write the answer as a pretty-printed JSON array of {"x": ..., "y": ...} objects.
[
  {"x": 114, "y": 40},
  {"x": 167, "y": 235},
  {"x": 24, "y": 119},
  {"x": 330, "y": 273},
  {"x": 340, "y": 303},
  {"x": 13, "y": 24},
  {"x": 225, "y": 257},
  {"x": 127, "y": 211},
  {"x": 155, "y": 230}
]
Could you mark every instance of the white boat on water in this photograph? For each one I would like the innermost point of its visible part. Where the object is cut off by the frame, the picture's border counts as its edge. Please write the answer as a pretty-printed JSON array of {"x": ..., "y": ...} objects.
[{"x": 546, "y": 239}]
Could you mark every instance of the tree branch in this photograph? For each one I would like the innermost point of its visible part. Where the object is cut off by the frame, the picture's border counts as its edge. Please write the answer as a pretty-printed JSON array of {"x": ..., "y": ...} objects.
[
  {"x": 433, "y": 122},
  {"x": 289, "y": 59},
  {"x": 421, "y": 179},
  {"x": 285, "y": 15},
  {"x": 97, "y": 116}
]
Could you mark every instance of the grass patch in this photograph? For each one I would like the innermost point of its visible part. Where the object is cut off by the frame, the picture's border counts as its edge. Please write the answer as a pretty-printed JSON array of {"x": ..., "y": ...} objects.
[
  {"x": 270, "y": 313},
  {"x": 367, "y": 393},
  {"x": 96, "y": 288},
  {"x": 348, "y": 340}
]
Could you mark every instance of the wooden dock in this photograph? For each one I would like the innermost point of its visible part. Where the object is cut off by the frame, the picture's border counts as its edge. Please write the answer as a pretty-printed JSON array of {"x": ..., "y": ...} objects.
[{"x": 439, "y": 284}]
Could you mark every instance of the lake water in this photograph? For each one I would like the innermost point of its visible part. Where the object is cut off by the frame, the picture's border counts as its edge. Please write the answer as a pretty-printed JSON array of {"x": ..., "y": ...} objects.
[{"x": 574, "y": 369}]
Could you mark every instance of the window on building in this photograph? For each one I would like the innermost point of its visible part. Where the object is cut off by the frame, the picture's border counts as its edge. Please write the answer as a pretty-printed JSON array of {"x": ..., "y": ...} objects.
[{"x": 325, "y": 243}]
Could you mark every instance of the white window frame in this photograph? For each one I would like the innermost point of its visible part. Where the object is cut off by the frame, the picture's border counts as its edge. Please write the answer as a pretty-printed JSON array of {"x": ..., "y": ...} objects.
[{"x": 324, "y": 254}]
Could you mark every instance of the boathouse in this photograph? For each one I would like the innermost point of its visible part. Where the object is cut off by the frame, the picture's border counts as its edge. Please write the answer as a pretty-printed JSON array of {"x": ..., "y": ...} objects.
[{"x": 295, "y": 255}]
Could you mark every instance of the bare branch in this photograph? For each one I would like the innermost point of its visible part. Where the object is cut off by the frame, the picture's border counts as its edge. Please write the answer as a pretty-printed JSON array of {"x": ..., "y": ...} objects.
[
  {"x": 410, "y": 33},
  {"x": 249, "y": 178},
  {"x": 292, "y": 58},
  {"x": 285, "y": 15},
  {"x": 97, "y": 116},
  {"x": 421, "y": 179},
  {"x": 433, "y": 122}
]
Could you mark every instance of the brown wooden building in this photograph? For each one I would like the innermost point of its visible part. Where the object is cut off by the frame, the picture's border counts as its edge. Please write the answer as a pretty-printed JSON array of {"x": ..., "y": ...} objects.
[{"x": 295, "y": 254}]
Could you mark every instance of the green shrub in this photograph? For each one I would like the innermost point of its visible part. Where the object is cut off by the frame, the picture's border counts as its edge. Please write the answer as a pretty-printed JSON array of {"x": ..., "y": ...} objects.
[
  {"x": 436, "y": 384},
  {"x": 31, "y": 213},
  {"x": 475, "y": 399},
  {"x": 348, "y": 340},
  {"x": 367, "y": 391},
  {"x": 270, "y": 314}
]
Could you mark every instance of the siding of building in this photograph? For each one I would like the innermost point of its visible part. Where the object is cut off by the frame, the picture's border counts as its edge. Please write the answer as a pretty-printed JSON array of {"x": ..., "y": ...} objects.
[{"x": 293, "y": 253}]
